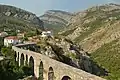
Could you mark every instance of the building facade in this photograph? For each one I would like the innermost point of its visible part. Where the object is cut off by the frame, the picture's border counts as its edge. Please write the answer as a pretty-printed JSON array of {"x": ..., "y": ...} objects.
[{"x": 11, "y": 40}]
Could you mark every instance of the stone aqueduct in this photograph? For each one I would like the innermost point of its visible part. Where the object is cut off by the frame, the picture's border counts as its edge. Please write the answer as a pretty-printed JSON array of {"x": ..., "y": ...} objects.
[{"x": 50, "y": 68}]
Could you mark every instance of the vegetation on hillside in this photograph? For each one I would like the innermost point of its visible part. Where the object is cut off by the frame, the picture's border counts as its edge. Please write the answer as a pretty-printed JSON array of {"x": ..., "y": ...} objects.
[
  {"x": 99, "y": 22},
  {"x": 10, "y": 24},
  {"x": 13, "y": 19},
  {"x": 94, "y": 18},
  {"x": 108, "y": 57},
  {"x": 54, "y": 27},
  {"x": 68, "y": 32},
  {"x": 9, "y": 69},
  {"x": 100, "y": 30}
]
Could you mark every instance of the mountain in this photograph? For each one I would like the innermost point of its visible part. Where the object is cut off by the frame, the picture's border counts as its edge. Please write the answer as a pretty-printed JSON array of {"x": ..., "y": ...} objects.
[
  {"x": 97, "y": 30},
  {"x": 56, "y": 19},
  {"x": 12, "y": 18}
]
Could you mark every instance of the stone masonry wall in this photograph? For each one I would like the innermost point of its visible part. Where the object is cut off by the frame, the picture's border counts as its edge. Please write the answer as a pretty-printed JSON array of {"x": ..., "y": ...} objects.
[{"x": 60, "y": 69}]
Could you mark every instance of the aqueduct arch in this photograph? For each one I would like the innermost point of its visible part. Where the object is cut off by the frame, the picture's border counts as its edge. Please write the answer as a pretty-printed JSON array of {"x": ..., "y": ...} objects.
[
  {"x": 41, "y": 70},
  {"x": 18, "y": 56},
  {"x": 22, "y": 60},
  {"x": 52, "y": 69},
  {"x": 66, "y": 78},
  {"x": 15, "y": 56},
  {"x": 26, "y": 62},
  {"x": 50, "y": 74},
  {"x": 31, "y": 64}
]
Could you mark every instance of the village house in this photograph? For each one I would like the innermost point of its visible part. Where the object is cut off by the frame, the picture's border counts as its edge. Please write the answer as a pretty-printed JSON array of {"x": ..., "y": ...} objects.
[
  {"x": 11, "y": 40},
  {"x": 47, "y": 34}
]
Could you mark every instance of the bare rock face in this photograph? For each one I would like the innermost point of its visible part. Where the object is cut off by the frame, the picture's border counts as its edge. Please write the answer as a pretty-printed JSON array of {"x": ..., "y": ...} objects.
[
  {"x": 102, "y": 36},
  {"x": 56, "y": 19},
  {"x": 56, "y": 16},
  {"x": 94, "y": 27}
]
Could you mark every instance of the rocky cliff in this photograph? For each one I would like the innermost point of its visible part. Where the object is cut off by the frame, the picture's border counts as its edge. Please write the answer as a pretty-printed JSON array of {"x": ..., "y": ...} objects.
[
  {"x": 95, "y": 26},
  {"x": 56, "y": 19},
  {"x": 66, "y": 51}
]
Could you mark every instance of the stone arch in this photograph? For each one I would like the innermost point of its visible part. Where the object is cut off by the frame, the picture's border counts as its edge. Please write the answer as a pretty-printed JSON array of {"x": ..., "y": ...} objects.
[
  {"x": 22, "y": 59},
  {"x": 66, "y": 78},
  {"x": 18, "y": 59},
  {"x": 15, "y": 56},
  {"x": 26, "y": 62},
  {"x": 31, "y": 65},
  {"x": 41, "y": 69},
  {"x": 18, "y": 56},
  {"x": 51, "y": 74}
]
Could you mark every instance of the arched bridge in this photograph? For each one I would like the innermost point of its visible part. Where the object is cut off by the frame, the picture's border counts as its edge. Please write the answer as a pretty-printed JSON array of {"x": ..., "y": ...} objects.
[{"x": 49, "y": 69}]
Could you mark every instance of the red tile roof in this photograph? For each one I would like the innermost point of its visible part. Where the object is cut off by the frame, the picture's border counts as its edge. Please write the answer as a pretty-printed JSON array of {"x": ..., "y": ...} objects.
[{"x": 12, "y": 37}]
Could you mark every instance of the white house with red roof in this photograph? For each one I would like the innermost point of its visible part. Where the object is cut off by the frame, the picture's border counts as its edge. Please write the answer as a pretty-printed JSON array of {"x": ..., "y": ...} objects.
[{"x": 11, "y": 40}]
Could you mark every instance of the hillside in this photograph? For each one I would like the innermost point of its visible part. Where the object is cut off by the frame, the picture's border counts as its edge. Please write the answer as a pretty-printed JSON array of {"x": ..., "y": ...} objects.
[
  {"x": 12, "y": 18},
  {"x": 97, "y": 30},
  {"x": 67, "y": 52},
  {"x": 56, "y": 19},
  {"x": 108, "y": 56},
  {"x": 95, "y": 26}
]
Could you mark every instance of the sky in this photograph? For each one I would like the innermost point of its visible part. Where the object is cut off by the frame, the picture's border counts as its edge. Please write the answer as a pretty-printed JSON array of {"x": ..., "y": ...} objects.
[{"x": 38, "y": 7}]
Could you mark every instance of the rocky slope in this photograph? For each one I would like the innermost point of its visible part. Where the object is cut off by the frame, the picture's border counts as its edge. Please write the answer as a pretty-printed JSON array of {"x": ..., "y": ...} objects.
[
  {"x": 56, "y": 19},
  {"x": 12, "y": 17},
  {"x": 66, "y": 51},
  {"x": 97, "y": 30},
  {"x": 95, "y": 26}
]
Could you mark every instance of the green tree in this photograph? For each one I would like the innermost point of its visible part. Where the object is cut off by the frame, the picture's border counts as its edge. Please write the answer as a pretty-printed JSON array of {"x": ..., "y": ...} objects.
[{"x": 7, "y": 52}]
